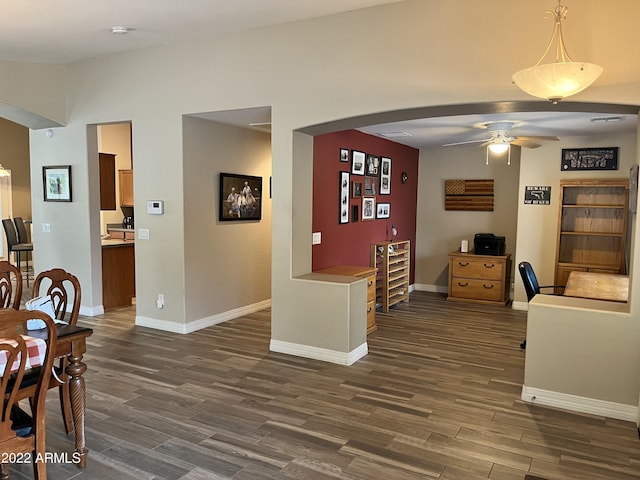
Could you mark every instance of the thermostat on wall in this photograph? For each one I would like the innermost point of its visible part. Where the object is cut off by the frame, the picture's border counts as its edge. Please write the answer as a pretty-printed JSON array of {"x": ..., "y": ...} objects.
[{"x": 155, "y": 207}]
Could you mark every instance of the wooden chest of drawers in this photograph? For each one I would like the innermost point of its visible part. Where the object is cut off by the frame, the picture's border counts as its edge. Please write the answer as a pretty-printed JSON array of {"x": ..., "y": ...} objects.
[
  {"x": 479, "y": 278},
  {"x": 365, "y": 272}
]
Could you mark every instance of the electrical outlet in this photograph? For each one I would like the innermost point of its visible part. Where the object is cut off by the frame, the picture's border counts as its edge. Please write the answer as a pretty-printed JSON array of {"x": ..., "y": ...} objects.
[
  {"x": 46, "y": 227},
  {"x": 160, "y": 301}
]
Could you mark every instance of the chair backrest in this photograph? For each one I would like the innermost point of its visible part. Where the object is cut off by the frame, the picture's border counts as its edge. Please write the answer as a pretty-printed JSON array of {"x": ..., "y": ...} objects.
[
  {"x": 21, "y": 229},
  {"x": 10, "y": 232},
  {"x": 529, "y": 279},
  {"x": 10, "y": 285},
  {"x": 13, "y": 325},
  {"x": 64, "y": 289}
]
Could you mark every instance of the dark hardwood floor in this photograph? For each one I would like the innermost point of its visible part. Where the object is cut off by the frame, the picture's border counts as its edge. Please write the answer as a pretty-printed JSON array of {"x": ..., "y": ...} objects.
[{"x": 437, "y": 397}]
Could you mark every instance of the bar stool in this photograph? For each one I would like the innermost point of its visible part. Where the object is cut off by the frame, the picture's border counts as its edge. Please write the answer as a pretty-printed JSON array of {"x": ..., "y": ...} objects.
[{"x": 14, "y": 245}]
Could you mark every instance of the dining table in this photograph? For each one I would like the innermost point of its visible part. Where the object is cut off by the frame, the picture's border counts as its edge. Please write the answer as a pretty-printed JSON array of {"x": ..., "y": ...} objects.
[
  {"x": 597, "y": 286},
  {"x": 72, "y": 344}
]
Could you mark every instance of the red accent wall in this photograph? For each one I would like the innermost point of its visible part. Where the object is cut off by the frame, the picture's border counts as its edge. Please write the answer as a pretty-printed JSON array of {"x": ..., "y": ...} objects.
[{"x": 349, "y": 244}]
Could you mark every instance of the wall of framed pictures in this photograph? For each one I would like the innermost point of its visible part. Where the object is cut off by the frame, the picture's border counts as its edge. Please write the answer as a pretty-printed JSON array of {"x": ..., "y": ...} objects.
[{"x": 359, "y": 195}]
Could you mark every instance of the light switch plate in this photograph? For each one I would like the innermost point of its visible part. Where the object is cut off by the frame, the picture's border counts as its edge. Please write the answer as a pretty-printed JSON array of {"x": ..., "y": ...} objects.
[
  {"x": 316, "y": 238},
  {"x": 143, "y": 234}
]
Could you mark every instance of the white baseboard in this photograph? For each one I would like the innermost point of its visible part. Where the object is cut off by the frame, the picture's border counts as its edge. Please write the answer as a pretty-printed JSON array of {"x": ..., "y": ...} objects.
[
  {"x": 91, "y": 311},
  {"x": 315, "y": 353},
  {"x": 425, "y": 287},
  {"x": 203, "y": 322},
  {"x": 520, "y": 306},
  {"x": 579, "y": 404}
]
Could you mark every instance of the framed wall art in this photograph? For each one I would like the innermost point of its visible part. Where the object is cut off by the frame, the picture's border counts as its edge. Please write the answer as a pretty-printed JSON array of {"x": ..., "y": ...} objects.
[
  {"x": 240, "y": 197},
  {"x": 383, "y": 210},
  {"x": 372, "y": 164},
  {"x": 368, "y": 208},
  {"x": 385, "y": 176},
  {"x": 56, "y": 182},
  {"x": 357, "y": 162},
  {"x": 356, "y": 189},
  {"x": 589, "y": 159},
  {"x": 344, "y": 154},
  {"x": 370, "y": 184},
  {"x": 344, "y": 198}
]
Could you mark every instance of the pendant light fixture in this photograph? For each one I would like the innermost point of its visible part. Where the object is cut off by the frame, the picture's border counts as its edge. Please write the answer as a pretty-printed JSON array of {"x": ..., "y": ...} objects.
[{"x": 562, "y": 77}]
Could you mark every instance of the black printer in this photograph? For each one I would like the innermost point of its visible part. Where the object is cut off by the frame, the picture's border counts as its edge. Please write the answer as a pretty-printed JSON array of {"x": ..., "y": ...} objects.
[{"x": 488, "y": 244}]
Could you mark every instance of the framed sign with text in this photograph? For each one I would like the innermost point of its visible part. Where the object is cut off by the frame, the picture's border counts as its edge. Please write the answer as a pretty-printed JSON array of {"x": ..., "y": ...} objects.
[
  {"x": 536, "y": 195},
  {"x": 589, "y": 159}
]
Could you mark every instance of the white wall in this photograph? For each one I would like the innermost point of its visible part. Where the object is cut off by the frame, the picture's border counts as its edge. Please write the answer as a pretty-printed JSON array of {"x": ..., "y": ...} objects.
[
  {"x": 228, "y": 263},
  {"x": 422, "y": 53},
  {"x": 440, "y": 231},
  {"x": 538, "y": 225}
]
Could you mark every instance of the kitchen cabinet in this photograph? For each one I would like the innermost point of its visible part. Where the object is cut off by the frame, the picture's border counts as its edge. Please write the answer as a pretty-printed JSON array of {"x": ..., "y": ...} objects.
[
  {"x": 107, "y": 167},
  {"x": 118, "y": 274},
  {"x": 125, "y": 180},
  {"x": 391, "y": 259},
  {"x": 479, "y": 278},
  {"x": 592, "y": 227}
]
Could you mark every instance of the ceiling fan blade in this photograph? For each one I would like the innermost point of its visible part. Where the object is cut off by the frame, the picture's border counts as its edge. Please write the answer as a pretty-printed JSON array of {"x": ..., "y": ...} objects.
[
  {"x": 541, "y": 138},
  {"x": 465, "y": 142},
  {"x": 525, "y": 142}
]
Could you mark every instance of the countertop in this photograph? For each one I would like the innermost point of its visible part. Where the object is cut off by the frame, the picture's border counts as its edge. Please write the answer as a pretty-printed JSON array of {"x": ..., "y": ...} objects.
[
  {"x": 120, "y": 229},
  {"x": 117, "y": 242}
]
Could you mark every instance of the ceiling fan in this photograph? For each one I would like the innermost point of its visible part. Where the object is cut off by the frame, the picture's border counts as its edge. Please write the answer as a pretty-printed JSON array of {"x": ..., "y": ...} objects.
[{"x": 500, "y": 138}]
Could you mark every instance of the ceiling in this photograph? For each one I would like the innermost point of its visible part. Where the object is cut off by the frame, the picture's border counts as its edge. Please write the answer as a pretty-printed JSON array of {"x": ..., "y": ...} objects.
[
  {"x": 439, "y": 131},
  {"x": 66, "y": 31}
]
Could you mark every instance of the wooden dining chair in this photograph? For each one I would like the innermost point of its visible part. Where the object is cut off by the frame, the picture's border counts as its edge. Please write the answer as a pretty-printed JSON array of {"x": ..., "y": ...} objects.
[
  {"x": 65, "y": 292},
  {"x": 14, "y": 387},
  {"x": 10, "y": 285}
]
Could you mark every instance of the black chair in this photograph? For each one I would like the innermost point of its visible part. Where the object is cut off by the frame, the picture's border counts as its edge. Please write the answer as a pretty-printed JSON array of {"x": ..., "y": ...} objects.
[
  {"x": 531, "y": 285},
  {"x": 15, "y": 245}
]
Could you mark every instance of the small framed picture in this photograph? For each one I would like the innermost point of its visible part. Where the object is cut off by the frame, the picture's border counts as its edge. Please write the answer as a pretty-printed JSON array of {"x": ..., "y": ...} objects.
[
  {"x": 355, "y": 216},
  {"x": 385, "y": 176},
  {"x": 57, "y": 183},
  {"x": 357, "y": 162},
  {"x": 372, "y": 164},
  {"x": 383, "y": 210},
  {"x": 344, "y": 154},
  {"x": 356, "y": 189},
  {"x": 344, "y": 198},
  {"x": 370, "y": 185},
  {"x": 368, "y": 208}
]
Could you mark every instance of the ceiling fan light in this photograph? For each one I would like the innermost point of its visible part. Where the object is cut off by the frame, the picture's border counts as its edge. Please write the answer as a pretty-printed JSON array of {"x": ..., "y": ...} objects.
[
  {"x": 555, "y": 81},
  {"x": 498, "y": 148}
]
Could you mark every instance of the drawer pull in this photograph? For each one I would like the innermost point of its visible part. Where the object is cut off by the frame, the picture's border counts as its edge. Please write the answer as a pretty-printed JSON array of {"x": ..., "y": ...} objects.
[
  {"x": 488, "y": 287},
  {"x": 463, "y": 264},
  {"x": 369, "y": 310},
  {"x": 460, "y": 284},
  {"x": 370, "y": 283},
  {"x": 489, "y": 266}
]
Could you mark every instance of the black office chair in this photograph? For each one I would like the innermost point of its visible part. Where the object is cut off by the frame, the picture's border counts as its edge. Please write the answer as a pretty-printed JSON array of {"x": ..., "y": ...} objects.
[
  {"x": 15, "y": 246},
  {"x": 531, "y": 285}
]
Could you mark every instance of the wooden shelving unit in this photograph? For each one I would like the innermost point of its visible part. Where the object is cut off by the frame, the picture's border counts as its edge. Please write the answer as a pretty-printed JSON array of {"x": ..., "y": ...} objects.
[
  {"x": 392, "y": 259},
  {"x": 592, "y": 227}
]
